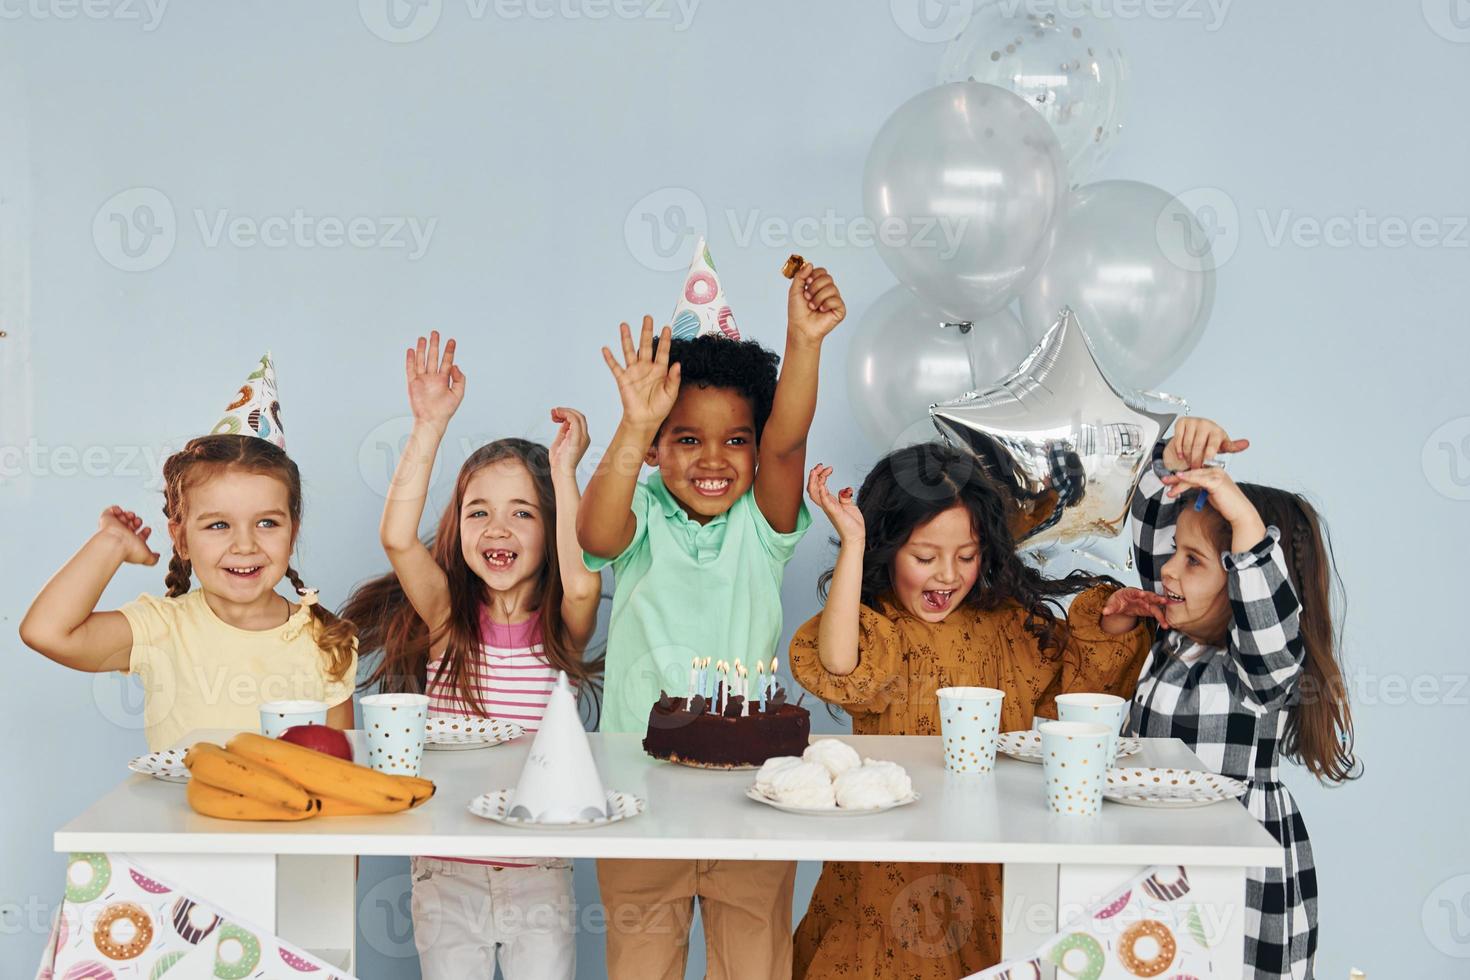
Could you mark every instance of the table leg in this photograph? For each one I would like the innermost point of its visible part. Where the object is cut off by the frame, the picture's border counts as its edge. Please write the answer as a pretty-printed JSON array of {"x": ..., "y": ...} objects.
[{"x": 1028, "y": 910}]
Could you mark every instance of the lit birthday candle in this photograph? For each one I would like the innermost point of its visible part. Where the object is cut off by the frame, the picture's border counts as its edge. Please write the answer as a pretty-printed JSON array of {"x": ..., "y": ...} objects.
[
  {"x": 760, "y": 684},
  {"x": 693, "y": 680},
  {"x": 772, "y": 680}
]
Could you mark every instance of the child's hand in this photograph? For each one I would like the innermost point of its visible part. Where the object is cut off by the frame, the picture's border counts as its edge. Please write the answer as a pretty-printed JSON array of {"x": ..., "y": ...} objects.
[
  {"x": 127, "y": 528},
  {"x": 1226, "y": 497},
  {"x": 647, "y": 385},
  {"x": 841, "y": 510},
  {"x": 814, "y": 307},
  {"x": 1137, "y": 604},
  {"x": 571, "y": 441},
  {"x": 435, "y": 384},
  {"x": 1196, "y": 442}
]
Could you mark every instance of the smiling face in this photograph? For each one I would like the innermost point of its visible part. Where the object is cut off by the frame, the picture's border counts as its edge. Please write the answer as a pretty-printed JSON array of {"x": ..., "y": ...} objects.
[
  {"x": 1194, "y": 581},
  {"x": 236, "y": 531},
  {"x": 938, "y": 565},
  {"x": 705, "y": 451},
  {"x": 502, "y": 530}
]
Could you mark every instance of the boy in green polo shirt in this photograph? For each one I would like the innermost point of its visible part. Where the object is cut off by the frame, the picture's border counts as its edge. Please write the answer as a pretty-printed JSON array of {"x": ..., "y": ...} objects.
[{"x": 698, "y": 552}]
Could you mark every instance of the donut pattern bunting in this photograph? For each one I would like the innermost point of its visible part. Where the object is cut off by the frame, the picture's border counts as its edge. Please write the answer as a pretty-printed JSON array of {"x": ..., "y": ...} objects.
[
  {"x": 1155, "y": 924},
  {"x": 123, "y": 922}
]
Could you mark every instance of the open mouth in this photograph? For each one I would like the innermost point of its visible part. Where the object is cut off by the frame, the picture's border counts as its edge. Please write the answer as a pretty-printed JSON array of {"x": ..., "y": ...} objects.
[
  {"x": 938, "y": 601},
  {"x": 711, "y": 488},
  {"x": 1173, "y": 597},
  {"x": 247, "y": 571},
  {"x": 499, "y": 558}
]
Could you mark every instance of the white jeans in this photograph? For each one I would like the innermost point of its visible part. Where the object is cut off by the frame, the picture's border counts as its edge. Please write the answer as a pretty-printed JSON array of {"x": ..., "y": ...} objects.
[{"x": 465, "y": 915}]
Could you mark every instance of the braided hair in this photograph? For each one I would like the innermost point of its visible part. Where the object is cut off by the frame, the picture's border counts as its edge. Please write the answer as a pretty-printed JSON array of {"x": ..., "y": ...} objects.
[{"x": 210, "y": 455}]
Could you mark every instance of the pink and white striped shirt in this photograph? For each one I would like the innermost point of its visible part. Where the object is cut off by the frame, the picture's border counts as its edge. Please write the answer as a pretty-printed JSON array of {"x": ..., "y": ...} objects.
[
  {"x": 511, "y": 679},
  {"x": 510, "y": 676}
]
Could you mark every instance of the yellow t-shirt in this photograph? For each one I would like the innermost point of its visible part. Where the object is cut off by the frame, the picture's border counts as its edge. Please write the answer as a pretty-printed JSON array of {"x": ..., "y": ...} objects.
[{"x": 200, "y": 672}]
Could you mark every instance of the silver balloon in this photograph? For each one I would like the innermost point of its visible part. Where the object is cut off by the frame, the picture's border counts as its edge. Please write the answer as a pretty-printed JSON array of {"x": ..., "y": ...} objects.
[
  {"x": 901, "y": 360},
  {"x": 1135, "y": 264},
  {"x": 965, "y": 185},
  {"x": 1067, "y": 65},
  {"x": 997, "y": 342},
  {"x": 1067, "y": 443}
]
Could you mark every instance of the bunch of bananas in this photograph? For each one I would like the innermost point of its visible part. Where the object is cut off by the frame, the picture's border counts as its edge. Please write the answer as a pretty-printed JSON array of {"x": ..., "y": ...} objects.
[{"x": 259, "y": 778}]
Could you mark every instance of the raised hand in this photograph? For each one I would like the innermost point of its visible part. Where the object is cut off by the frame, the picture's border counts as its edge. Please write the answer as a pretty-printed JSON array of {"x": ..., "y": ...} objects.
[
  {"x": 1137, "y": 603},
  {"x": 1197, "y": 441},
  {"x": 647, "y": 384},
  {"x": 128, "y": 528},
  {"x": 814, "y": 306},
  {"x": 841, "y": 509},
  {"x": 571, "y": 441},
  {"x": 1224, "y": 495},
  {"x": 435, "y": 384}
]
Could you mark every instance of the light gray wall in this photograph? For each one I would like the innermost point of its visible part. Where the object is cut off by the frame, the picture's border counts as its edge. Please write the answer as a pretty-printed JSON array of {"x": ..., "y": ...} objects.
[{"x": 534, "y": 144}]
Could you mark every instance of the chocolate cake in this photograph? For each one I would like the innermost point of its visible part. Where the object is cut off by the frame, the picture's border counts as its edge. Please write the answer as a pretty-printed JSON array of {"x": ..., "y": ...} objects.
[{"x": 695, "y": 735}]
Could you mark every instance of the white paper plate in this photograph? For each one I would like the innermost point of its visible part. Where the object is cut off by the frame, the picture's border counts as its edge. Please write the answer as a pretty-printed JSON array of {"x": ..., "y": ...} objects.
[
  {"x": 1026, "y": 746},
  {"x": 492, "y": 806},
  {"x": 1173, "y": 789},
  {"x": 449, "y": 734},
  {"x": 832, "y": 811},
  {"x": 167, "y": 765}
]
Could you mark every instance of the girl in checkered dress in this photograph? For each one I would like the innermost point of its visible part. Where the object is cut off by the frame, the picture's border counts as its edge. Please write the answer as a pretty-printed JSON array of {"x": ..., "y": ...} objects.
[{"x": 1243, "y": 668}]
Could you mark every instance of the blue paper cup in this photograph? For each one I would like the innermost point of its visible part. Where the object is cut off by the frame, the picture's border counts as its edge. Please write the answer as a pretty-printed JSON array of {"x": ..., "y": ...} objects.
[
  {"x": 394, "y": 725},
  {"x": 1107, "y": 710},
  {"x": 969, "y": 721},
  {"x": 1074, "y": 766},
  {"x": 277, "y": 716}
]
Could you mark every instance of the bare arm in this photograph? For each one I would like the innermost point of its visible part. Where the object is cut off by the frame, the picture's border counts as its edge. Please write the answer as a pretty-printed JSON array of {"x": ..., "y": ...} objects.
[
  {"x": 581, "y": 589},
  {"x": 435, "y": 390},
  {"x": 340, "y": 716},
  {"x": 648, "y": 387},
  {"x": 837, "y": 634},
  {"x": 814, "y": 309},
  {"x": 63, "y": 624}
]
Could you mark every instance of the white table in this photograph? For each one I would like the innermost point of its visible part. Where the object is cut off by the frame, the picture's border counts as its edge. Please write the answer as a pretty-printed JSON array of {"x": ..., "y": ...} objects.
[{"x": 300, "y": 877}]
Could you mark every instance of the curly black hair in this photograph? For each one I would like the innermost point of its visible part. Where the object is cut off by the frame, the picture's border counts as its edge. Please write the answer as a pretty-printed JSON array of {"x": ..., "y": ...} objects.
[
  {"x": 744, "y": 366},
  {"x": 913, "y": 485}
]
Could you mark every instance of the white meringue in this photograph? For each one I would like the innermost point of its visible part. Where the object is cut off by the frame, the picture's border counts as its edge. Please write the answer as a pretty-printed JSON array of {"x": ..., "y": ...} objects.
[
  {"x": 805, "y": 784},
  {"x": 894, "y": 775},
  {"x": 836, "y": 756},
  {"x": 863, "y": 788},
  {"x": 770, "y": 769}
]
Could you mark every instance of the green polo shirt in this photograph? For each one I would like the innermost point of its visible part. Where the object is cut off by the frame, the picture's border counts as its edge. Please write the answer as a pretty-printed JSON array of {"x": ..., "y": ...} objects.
[{"x": 687, "y": 590}]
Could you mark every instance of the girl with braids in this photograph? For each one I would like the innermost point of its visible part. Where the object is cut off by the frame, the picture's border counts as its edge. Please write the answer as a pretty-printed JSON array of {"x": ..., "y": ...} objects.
[
  {"x": 1244, "y": 668},
  {"x": 209, "y": 657},
  {"x": 928, "y": 592},
  {"x": 482, "y": 619}
]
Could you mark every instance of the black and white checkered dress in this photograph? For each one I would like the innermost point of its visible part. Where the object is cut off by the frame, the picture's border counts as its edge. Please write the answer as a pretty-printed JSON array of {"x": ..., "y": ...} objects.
[{"x": 1229, "y": 704}]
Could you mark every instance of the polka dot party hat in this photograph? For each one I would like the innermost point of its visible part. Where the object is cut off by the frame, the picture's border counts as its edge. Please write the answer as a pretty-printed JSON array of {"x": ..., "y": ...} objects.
[
  {"x": 702, "y": 307},
  {"x": 256, "y": 408}
]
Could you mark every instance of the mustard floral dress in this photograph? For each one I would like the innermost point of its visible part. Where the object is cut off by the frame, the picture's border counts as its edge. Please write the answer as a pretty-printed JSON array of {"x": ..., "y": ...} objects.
[{"x": 938, "y": 921}]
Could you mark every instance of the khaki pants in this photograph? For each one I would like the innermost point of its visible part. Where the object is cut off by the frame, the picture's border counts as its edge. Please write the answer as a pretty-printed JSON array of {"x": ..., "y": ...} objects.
[{"x": 745, "y": 907}]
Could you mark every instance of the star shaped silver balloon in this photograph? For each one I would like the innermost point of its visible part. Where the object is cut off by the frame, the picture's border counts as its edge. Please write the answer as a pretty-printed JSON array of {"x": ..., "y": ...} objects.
[{"x": 1067, "y": 442}]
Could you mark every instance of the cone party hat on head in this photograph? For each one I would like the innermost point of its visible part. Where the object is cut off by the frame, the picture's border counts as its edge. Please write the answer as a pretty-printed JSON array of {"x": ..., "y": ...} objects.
[
  {"x": 702, "y": 306},
  {"x": 559, "y": 783},
  {"x": 256, "y": 408}
]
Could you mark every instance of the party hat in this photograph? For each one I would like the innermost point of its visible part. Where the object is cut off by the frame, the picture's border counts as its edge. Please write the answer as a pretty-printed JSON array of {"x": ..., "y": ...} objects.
[
  {"x": 559, "y": 783},
  {"x": 256, "y": 410},
  {"x": 702, "y": 306}
]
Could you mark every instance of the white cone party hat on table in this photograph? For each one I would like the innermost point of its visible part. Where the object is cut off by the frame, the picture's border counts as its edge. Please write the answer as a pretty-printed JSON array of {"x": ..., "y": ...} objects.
[
  {"x": 559, "y": 783},
  {"x": 256, "y": 408},
  {"x": 702, "y": 307}
]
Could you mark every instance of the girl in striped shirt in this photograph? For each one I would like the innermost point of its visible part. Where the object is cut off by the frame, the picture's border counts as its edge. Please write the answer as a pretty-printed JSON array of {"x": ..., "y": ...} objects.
[{"x": 481, "y": 619}]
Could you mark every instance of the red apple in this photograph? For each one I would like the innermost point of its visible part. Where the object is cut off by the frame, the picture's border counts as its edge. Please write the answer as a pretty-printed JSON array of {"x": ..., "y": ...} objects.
[{"x": 321, "y": 738}]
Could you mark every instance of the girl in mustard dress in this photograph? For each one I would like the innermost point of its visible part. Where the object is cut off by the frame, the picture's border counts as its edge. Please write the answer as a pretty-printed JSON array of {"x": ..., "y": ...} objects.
[{"x": 928, "y": 592}]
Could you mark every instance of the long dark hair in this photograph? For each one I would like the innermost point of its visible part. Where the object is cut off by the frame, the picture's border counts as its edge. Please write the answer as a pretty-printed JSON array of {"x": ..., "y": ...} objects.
[
  {"x": 1319, "y": 726},
  {"x": 211, "y": 455},
  {"x": 386, "y": 620},
  {"x": 912, "y": 486}
]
